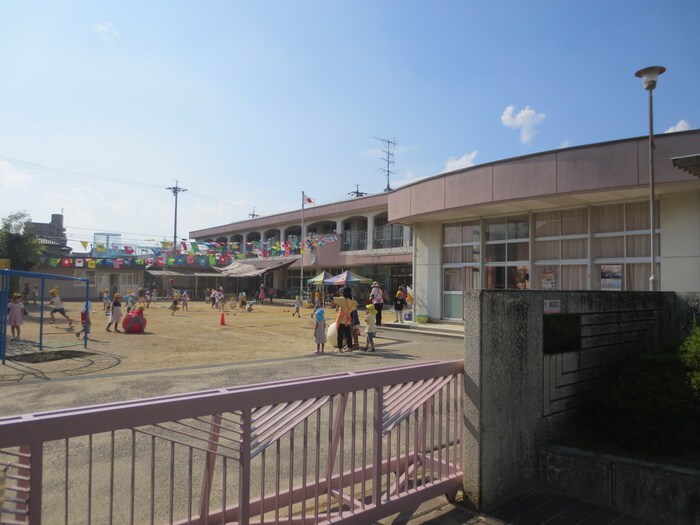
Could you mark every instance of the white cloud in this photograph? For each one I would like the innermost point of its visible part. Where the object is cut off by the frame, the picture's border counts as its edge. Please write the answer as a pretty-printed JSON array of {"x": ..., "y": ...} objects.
[
  {"x": 525, "y": 120},
  {"x": 13, "y": 179},
  {"x": 464, "y": 161},
  {"x": 106, "y": 32},
  {"x": 565, "y": 143},
  {"x": 683, "y": 125}
]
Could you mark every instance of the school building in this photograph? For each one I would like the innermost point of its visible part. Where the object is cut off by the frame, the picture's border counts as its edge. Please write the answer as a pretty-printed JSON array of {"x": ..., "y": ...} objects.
[
  {"x": 570, "y": 219},
  {"x": 349, "y": 235}
]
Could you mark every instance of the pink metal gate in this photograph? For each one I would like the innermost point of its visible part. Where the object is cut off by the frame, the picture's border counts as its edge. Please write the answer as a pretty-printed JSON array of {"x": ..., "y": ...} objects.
[{"x": 346, "y": 448}]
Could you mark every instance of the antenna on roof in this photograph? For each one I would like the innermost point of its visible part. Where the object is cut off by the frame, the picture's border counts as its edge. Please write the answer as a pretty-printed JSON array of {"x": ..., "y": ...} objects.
[
  {"x": 253, "y": 215},
  {"x": 389, "y": 152},
  {"x": 357, "y": 192}
]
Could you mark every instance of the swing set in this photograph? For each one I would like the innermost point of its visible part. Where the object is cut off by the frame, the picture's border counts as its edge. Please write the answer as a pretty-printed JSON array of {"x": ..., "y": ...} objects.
[{"x": 5, "y": 276}]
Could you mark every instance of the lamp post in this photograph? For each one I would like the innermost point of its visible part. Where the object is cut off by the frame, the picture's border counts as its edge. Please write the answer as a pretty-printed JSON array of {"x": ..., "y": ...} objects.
[{"x": 649, "y": 76}]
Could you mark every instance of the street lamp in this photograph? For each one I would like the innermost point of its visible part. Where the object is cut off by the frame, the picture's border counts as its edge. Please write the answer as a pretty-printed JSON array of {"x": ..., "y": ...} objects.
[{"x": 649, "y": 76}]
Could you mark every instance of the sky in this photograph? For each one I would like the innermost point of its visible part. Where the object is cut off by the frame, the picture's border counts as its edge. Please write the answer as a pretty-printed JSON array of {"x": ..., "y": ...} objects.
[{"x": 105, "y": 104}]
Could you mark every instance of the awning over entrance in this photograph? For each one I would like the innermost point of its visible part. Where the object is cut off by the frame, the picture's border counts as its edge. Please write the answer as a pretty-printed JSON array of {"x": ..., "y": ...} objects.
[
  {"x": 689, "y": 163},
  {"x": 170, "y": 273},
  {"x": 239, "y": 269}
]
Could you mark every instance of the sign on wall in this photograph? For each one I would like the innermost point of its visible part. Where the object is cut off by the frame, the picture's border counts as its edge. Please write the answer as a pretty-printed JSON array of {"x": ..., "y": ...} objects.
[{"x": 611, "y": 277}]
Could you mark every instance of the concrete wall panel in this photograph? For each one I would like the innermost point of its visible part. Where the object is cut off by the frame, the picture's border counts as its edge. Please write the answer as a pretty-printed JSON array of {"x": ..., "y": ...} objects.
[
  {"x": 469, "y": 187},
  {"x": 428, "y": 196},
  {"x": 530, "y": 177},
  {"x": 607, "y": 166}
]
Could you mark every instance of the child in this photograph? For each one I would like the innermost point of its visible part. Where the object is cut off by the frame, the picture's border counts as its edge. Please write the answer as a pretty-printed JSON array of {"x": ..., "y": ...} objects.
[
  {"x": 16, "y": 315},
  {"x": 35, "y": 293},
  {"x": 130, "y": 301},
  {"x": 147, "y": 296},
  {"x": 355, "y": 328},
  {"x": 297, "y": 306},
  {"x": 174, "y": 307},
  {"x": 57, "y": 307},
  {"x": 399, "y": 303},
  {"x": 320, "y": 330},
  {"x": 115, "y": 314},
  {"x": 370, "y": 327},
  {"x": 85, "y": 322},
  {"x": 185, "y": 301},
  {"x": 317, "y": 300},
  {"x": 106, "y": 300}
]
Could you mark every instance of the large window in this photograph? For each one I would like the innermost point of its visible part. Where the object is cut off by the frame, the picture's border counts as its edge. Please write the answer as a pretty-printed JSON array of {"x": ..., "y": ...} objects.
[
  {"x": 507, "y": 252},
  {"x": 461, "y": 255},
  {"x": 561, "y": 250}
]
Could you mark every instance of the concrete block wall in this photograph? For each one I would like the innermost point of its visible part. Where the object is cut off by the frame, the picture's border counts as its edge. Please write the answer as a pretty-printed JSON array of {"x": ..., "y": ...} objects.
[{"x": 517, "y": 396}]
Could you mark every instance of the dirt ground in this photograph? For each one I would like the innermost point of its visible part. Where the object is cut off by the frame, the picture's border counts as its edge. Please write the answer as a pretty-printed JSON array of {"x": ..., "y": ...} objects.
[{"x": 186, "y": 338}]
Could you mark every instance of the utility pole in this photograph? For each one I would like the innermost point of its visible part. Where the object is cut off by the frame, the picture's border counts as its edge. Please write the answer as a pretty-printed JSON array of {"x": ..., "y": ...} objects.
[
  {"x": 175, "y": 189},
  {"x": 357, "y": 192},
  {"x": 253, "y": 215},
  {"x": 389, "y": 152}
]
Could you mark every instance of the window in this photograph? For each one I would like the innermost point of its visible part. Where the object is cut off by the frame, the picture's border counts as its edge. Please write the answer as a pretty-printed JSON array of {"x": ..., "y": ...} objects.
[{"x": 84, "y": 274}]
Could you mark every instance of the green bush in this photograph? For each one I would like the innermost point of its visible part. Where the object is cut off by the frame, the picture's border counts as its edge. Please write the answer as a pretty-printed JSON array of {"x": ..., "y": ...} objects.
[
  {"x": 690, "y": 354},
  {"x": 653, "y": 404}
]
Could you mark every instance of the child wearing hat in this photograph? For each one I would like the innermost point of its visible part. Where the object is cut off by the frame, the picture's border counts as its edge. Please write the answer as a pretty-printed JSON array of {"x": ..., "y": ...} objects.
[
  {"x": 370, "y": 327},
  {"x": 16, "y": 315},
  {"x": 85, "y": 322},
  {"x": 320, "y": 330},
  {"x": 399, "y": 304},
  {"x": 57, "y": 304},
  {"x": 116, "y": 314},
  {"x": 297, "y": 306}
]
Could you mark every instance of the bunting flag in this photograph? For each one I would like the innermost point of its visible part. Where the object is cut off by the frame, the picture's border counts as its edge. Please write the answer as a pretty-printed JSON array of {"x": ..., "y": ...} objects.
[
  {"x": 100, "y": 248},
  {"x": 54, "y": 262},
  {"x": 128, "y": 249},
  {"x": 91, "y": 263},
  {"x": 184, "y": 246},
  {"x": 78, "y": 263},
  {"x": 84, "y": 244},
  {"x": 66, "y": 262},
  {"x": 195, "y": 247},
  {"x": 166, "y": 244}
]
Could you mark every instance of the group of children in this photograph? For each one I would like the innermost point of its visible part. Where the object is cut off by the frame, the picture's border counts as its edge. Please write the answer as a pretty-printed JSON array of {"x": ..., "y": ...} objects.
[{"x": 347, "y": 323}]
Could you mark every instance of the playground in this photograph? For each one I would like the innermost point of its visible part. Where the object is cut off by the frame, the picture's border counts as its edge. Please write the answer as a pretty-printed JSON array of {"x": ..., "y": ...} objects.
[{"x": 200, "y": 335}]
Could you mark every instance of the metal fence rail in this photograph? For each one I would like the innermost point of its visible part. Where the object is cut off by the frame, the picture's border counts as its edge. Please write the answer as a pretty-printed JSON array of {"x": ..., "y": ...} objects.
[{"x": 348, "y": 448}]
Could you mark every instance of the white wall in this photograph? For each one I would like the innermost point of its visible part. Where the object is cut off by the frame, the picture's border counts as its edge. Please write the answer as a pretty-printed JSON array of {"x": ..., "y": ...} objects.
[
  {"x": 427, "y": 270},
  {"x": 680, "y": 242}
]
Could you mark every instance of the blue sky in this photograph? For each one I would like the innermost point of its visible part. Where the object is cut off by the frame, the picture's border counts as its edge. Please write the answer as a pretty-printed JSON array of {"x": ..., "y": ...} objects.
[{"x": 103, "y": 104}]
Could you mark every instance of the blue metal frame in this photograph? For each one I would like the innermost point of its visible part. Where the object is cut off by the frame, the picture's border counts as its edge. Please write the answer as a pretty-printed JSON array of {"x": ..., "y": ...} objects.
[{"x": 5, "y": 276}]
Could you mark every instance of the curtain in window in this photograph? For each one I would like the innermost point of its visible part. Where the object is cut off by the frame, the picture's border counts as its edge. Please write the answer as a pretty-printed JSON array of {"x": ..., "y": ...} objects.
[
  {"x": 574, "y": 222},
  {"x": 574, "y": 277},
  {"x": 547, "y": 250},
  {"x": 547, "y": 224},
  {"x": 609, "y": 219}
]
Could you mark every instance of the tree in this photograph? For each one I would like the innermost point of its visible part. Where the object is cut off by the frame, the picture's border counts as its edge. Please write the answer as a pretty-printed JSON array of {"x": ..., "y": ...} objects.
[{"x": 18, "y": 241}]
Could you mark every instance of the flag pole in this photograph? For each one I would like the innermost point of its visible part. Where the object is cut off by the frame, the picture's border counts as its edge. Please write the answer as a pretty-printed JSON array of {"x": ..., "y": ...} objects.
[{"x": 301, "y": 248}]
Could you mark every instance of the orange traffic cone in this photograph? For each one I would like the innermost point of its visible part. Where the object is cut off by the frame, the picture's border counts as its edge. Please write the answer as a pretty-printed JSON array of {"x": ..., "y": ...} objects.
[{"x": 223, "y": 319}]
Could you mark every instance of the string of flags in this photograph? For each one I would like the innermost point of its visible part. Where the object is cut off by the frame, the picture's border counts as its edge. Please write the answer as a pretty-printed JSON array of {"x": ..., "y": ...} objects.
[{"x": 191, "y": 253}]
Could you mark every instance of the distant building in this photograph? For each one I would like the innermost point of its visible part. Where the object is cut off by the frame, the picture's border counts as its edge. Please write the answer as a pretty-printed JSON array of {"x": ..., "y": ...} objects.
[{"x": 52, "y": 236}]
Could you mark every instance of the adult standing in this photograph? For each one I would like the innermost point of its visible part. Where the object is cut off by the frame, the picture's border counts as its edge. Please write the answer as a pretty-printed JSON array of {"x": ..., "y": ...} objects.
[
  {"x": 376, "y": 297},
  {"x": 343, "y": 321}
]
